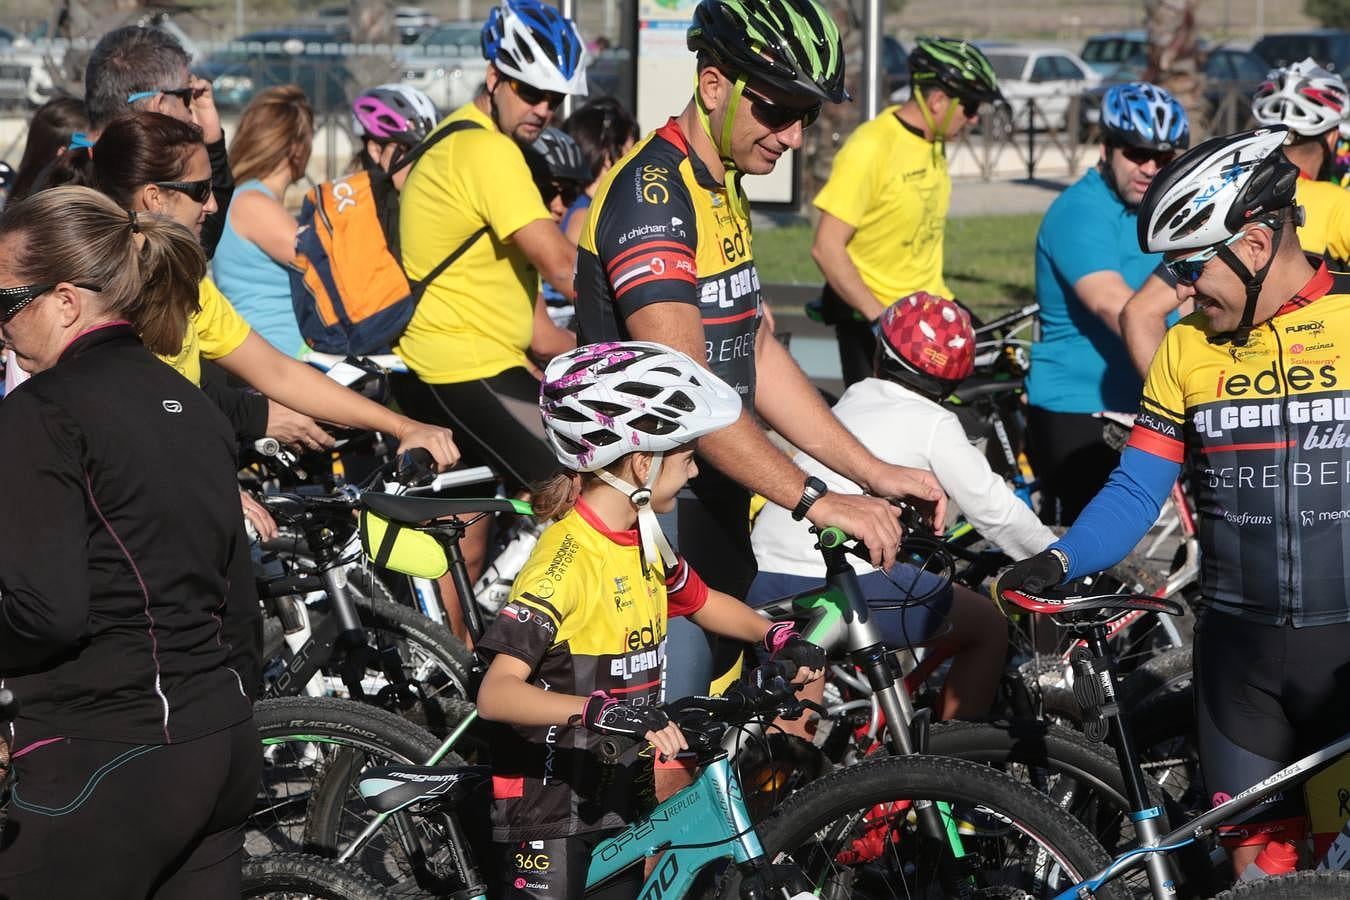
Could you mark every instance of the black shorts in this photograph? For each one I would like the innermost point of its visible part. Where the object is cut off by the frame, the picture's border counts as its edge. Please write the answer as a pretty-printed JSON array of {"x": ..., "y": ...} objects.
[
  {"x": 1070, "y": 459},
  {"x": 1266, "y": 695},
  {"x": 555, "y": 869},
  {"x": 496, "y": 422},
  {"x": 103, "y": 819}
]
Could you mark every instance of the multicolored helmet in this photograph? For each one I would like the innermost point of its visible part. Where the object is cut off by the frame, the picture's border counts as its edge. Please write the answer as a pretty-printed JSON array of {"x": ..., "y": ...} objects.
[
  {"x": 926, "y": 342},
  {"x": 957, "y": 67},
  {"x": 393, "y": 112},
  {"x": 603, "y": 401},
  {"x": 1305, "y": 98},
  {"x": 534, "y": 43},
  {"x": 792, "y": 45},
  {"x": 1144, "y": 115}
]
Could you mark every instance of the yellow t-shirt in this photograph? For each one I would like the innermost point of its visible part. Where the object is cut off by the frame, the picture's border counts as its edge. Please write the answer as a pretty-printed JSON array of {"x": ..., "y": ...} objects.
[
  {"x": 892, "y": 186},
  {"x": 1326, "y": 226},
  {"x": 216, "y": 330},
  {"x": 476, "y": 319}
]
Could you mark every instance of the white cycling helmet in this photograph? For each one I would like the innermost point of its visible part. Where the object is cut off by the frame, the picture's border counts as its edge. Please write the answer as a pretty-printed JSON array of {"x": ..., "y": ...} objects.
[
  {"x": 393, "y": 112},
  {"x": 1212, "y": 192},
  {"x": 601, "y": 402},
  {"x": 1304, "y": 97},
  {"x": 534, "y": 43}
]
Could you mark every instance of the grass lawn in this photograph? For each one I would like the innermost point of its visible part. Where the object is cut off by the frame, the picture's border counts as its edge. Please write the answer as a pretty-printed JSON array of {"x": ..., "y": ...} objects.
[{"x": 990, "y": 259}]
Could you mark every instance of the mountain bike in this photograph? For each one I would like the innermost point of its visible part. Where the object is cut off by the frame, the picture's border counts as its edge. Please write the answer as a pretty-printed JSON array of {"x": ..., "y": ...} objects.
[
  {"x": 1154, "y": 854},
  {"x": 914, "y": 826}
]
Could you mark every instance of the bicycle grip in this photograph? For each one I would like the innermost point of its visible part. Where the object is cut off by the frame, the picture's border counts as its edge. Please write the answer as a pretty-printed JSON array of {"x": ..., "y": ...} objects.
[
  {"x": 267, "y": 446},
  {"x": 832, "y": 537},
  {"x": 9, "y": 705},
  {"x": 415, "y": 468}
]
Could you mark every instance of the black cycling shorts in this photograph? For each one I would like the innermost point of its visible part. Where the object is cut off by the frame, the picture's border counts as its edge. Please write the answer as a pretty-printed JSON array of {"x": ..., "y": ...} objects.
[
  {"x": 104, "y": 819},
  {"x": 1266, "y": 695},
  {"x": 1071, "y": 461},
  {"x": 496, "y": 422},
  {"x": 555, "y": 869}
]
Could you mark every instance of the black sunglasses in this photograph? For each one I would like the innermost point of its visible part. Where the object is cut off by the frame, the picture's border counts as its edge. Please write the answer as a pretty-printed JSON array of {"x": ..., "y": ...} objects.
[
  {"x": 14, "y": 299},
  {"x": 776, "y": 116},
  {"x": 187, "y": 94},
  {"x": 970, "y": 107},
  {"x": 199, "y": 191},
  {"x": 1141, "y": 155},
  {"x": 532, "y": 96},
  {"x": 568, "y": 191}
]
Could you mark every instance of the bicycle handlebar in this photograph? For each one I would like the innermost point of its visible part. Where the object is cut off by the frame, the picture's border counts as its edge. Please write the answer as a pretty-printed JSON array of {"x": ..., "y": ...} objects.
[{"x": 702, "y": 719}]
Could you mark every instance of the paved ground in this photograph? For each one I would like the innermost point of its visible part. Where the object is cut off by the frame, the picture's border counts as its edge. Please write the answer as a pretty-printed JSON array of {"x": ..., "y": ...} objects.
[{"x": 972, "y": 197}]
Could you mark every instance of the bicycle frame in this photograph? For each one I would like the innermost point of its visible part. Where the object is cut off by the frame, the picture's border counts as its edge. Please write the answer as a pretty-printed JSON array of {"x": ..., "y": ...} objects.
[
  {"x": 703, "y": 823},
  {"x": 1290, "y": 776}
]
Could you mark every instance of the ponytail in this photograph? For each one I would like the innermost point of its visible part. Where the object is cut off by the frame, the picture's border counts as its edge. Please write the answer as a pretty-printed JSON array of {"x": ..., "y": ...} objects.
[
  {"x": 556, "y": 496},
  {"x": 172, "y": 266}
]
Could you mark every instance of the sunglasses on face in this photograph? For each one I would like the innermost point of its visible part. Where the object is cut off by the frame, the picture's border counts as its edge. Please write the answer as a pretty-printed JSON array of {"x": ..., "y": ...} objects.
[
  {"x": 776, "y": 116},
  {"x": 532, "y": 96},
  {"x": 1139, "y": 155},
  {"x": 186, "y": 94},
  {"x": 1188, "y": 269},
  {"x": 567, "y": 191},
  {"x": 14, "y": 299},
  {"x": 198, "y": 191},
  {"x": 970, "y": 107}
]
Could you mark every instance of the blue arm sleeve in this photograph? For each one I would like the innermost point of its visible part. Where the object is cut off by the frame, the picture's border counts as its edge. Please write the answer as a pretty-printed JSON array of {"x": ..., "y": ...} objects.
[{"x": 1121, "y": 513}]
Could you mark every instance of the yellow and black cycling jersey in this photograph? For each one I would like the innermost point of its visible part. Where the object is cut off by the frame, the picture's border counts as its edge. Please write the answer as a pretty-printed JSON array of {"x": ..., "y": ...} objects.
[
  {"x": 661, "y": 229},
  {"x": 1263, "y": 430},
  {"x": 586, "y": 615},
  {"x": 1326, "y": 220}
]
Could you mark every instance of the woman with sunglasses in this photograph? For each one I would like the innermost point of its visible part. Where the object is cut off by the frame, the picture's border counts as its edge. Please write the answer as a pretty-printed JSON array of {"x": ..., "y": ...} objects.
[
  {"x": 153, "y": 164},
  {"x": 128, "y": 621},
  {"x": 268, "y": 154},
  {"x": 1088, "y": 264}
]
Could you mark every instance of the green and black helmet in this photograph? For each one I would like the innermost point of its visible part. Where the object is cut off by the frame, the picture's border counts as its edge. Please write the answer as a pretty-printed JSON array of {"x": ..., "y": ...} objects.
[
  {"x": 957, "y": 68},
  {"x": 792, "y": 45}
]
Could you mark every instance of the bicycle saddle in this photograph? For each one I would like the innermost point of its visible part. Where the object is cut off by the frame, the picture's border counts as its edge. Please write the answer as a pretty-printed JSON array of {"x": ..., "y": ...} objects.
[
  {"x": 416, "y": 510},
  {"x": 1085, "y": 606},
  {"x": 389, "y": 788}
]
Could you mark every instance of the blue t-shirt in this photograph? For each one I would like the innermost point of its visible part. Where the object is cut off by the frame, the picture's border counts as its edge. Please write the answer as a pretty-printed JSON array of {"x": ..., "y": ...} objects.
[
  {"x": 257, "y": 285},
  {"x": 1080, "y": 365}
]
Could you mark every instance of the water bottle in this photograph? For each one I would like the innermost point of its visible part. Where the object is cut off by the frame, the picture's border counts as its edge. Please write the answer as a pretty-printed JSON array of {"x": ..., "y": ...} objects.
[
  {"x": 494, "y": 585},
  {"x": 1278, "y": 858}
]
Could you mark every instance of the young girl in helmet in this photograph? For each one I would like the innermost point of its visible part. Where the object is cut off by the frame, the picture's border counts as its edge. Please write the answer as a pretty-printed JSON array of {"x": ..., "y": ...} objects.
[
  {"x": 926, "y": 348},
  {"x": 579, "y": 651}
]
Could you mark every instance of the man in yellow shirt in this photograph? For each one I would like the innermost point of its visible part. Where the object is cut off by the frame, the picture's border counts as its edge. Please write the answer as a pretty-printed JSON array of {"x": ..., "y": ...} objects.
[
  {"x": 883, "y": 211},
  {"x": 1311, "y": 102}
]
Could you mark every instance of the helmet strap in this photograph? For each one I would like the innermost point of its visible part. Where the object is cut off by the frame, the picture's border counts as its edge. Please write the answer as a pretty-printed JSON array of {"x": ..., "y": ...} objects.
[
  {"x": 1253, "y": 281},
  {"x": 652, "y": 538},
  {"x": 732, "y": 180},
  {"x": 939, "y": 132}
]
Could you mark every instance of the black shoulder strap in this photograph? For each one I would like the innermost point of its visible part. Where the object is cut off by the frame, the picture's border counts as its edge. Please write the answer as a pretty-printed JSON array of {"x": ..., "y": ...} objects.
[{"x": 420, "y": 285}]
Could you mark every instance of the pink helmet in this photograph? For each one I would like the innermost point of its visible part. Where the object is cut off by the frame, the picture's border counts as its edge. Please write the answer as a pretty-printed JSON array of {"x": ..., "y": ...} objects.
[{"x": 393, "y": 112}]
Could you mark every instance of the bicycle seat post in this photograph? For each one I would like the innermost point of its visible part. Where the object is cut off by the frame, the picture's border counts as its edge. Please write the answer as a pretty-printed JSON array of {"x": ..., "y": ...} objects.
[{"x": 449, "y": 536}]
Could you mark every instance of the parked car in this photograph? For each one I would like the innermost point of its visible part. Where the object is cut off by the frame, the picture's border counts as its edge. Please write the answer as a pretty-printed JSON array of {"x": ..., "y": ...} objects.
[
  {"x": 410, "y": 22},
  {"x": 309, "y": 57},
  {"x": 1046, "y": 78},
  {"x": 446, "y": 63},
  {"x": 1107, "y": 52},
  {"x": 1228, "y": 71},
  {"x": 1328, "y": 46}
]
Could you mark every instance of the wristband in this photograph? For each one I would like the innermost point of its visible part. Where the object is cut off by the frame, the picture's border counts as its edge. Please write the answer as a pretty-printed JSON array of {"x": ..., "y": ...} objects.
[{"x": 813, "y": 490}]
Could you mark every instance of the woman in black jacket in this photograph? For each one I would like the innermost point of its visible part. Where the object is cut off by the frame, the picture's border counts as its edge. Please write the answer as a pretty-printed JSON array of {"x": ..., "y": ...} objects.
[{"x": 128, "y": 619}]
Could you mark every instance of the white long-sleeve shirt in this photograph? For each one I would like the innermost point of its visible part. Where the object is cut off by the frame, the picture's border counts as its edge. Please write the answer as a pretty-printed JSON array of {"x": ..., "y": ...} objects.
[{"x": 905, "y": 429}]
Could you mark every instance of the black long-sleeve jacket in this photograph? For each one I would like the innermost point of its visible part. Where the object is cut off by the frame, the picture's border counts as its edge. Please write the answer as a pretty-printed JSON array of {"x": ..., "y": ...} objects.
[
  {"x": 222, "y": 186},
  {"x": 127, "y": 605}
]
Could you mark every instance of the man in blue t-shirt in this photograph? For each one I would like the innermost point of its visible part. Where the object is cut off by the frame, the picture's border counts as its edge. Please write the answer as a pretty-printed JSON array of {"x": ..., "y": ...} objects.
[{"x": 1088, "y": 263}]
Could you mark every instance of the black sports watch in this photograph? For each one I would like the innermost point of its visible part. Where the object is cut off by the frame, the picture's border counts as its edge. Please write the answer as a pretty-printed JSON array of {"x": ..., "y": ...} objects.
[{"x": 811, "y": 492}]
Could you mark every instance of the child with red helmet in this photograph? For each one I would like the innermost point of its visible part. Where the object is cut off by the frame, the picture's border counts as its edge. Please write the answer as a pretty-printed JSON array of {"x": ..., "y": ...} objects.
[{"x": 926, "y": 348}]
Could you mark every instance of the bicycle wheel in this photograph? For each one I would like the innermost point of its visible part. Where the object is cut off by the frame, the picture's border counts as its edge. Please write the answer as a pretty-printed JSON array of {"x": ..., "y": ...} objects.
[
  {"x": 855, "y": 834},
  {"x": 1295, "y": 886},
  {"x": 312, "y": 743},
  {"x": 435, "y": 663},
  {"x": 286, "y": 875}
]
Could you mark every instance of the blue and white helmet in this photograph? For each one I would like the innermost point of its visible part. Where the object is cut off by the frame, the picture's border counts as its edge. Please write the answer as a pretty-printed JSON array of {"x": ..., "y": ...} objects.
[
  {"x": 537, "y": 45},
  {"x": 1144, "y": 115}
]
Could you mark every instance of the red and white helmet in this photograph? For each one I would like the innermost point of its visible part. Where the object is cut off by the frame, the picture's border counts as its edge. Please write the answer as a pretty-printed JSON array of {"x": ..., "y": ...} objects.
[
  {"x": 1305, "y": 97},
  {"x": 927, "y": 342}
]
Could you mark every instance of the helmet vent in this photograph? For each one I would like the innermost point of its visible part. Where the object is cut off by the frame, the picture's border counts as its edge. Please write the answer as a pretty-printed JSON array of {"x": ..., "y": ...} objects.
[
  {"x": 648, "y": 391},
  {"x": 567, "y": 414},
  {"x": 601, "y": 437},
  {"x": 613, "y": 410},
  {"x": 653, "y": 424},
  {"x": 680, "y": 400}
]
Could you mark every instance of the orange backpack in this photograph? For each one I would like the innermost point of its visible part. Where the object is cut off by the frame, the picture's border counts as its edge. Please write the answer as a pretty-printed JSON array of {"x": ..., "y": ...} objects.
[{"x": 348, "y": 287}]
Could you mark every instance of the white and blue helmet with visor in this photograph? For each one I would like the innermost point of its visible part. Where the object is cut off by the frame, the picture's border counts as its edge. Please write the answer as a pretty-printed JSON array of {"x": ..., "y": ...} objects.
[{"x": 536, "y": 45}]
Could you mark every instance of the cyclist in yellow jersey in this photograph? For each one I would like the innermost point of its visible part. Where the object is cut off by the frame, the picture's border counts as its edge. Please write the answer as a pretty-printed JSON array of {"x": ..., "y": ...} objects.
[
  {"x": 1311, "y": 102},
  {"x": 883, "y": 211},
  {"x": 667, "y": 256}
]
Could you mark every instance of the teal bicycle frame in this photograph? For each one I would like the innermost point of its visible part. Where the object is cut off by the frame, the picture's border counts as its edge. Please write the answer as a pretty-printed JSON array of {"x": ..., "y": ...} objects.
[{"x": 702, "y": 824}]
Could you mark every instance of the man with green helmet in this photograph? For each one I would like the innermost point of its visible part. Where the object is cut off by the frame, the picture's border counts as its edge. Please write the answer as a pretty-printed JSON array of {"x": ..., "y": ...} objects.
[
  {"x": 883, "y": 211},
  {"x": 666, "y": 256}
]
